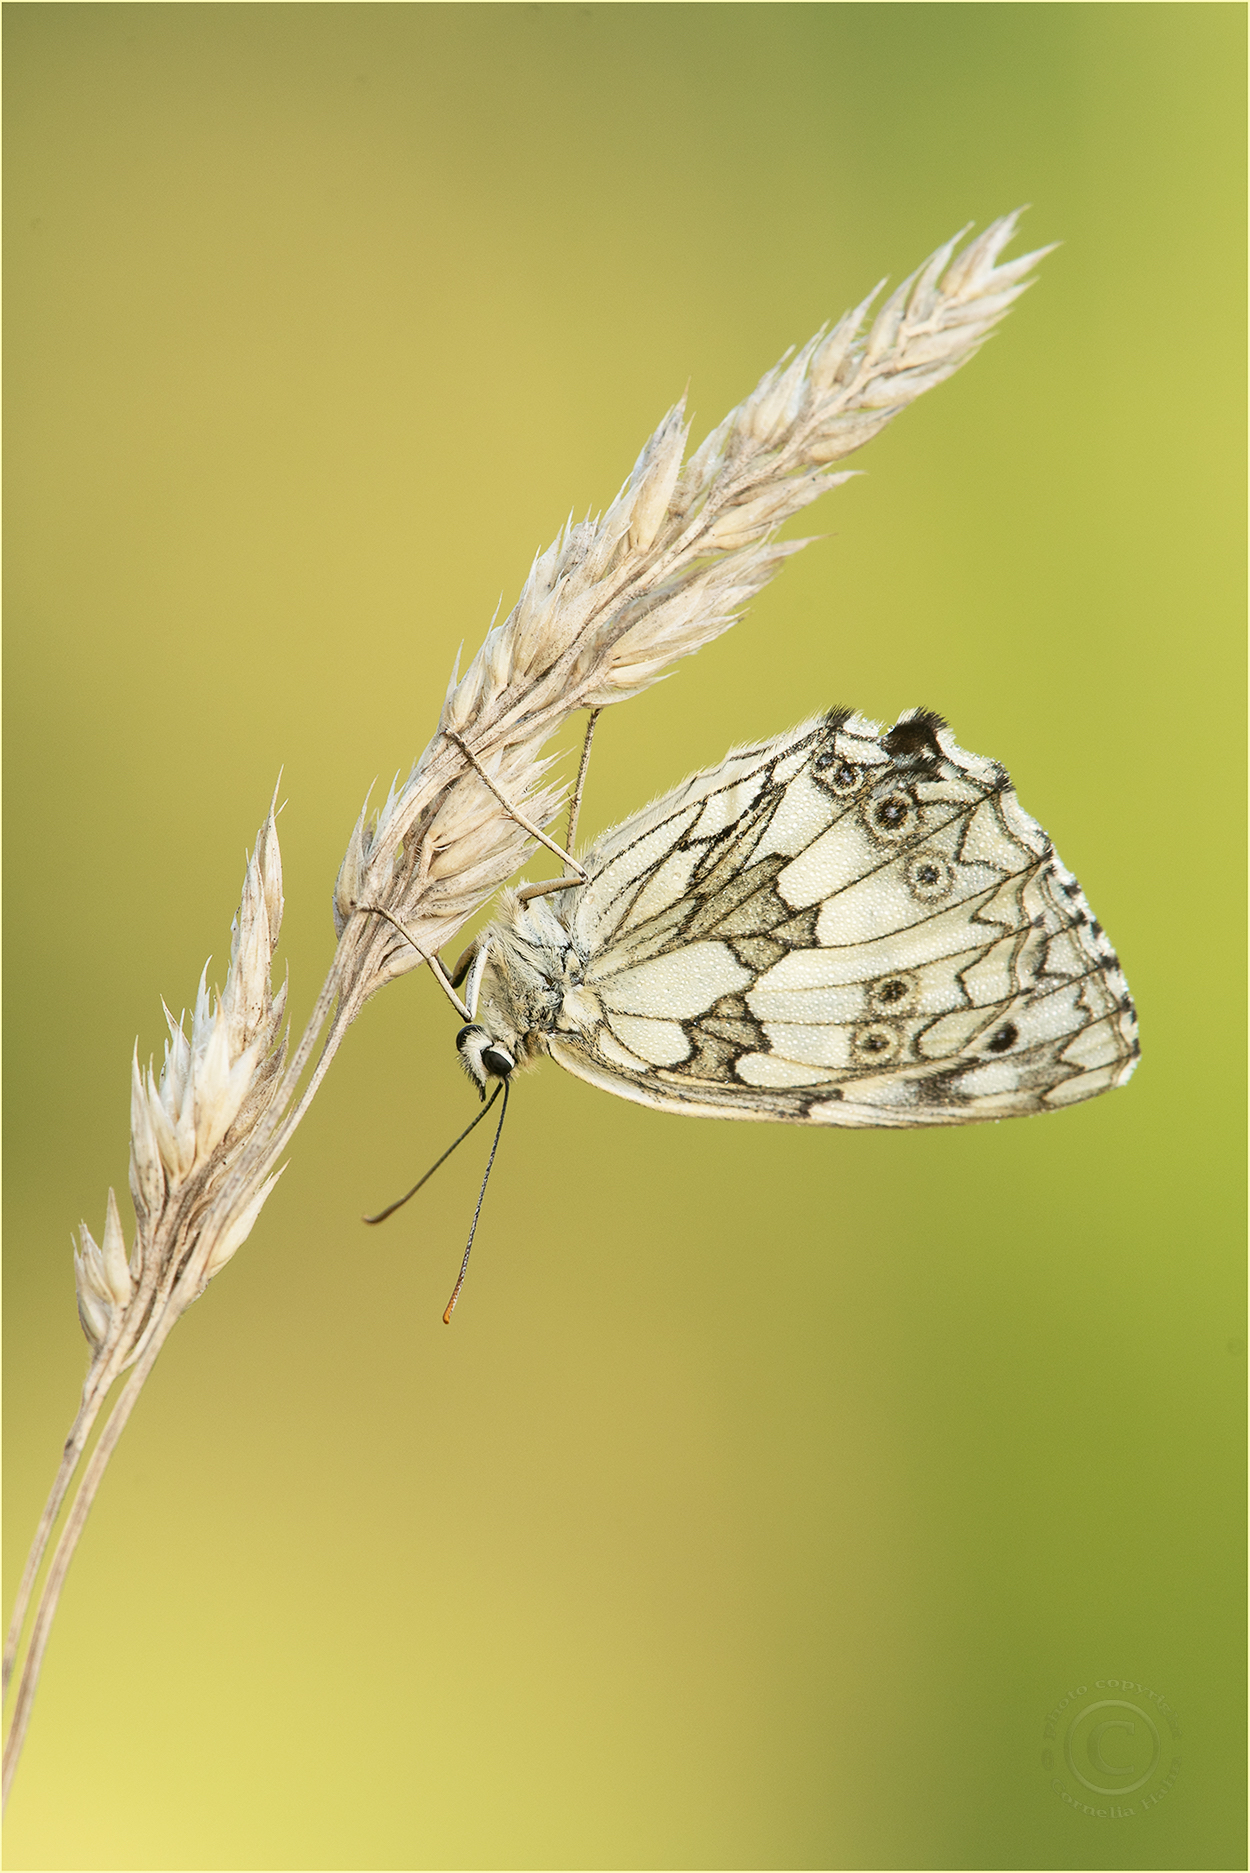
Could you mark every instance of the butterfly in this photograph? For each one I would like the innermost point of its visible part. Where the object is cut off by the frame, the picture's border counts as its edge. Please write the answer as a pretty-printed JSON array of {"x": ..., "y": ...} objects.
[{"x": 841, "y": 926}]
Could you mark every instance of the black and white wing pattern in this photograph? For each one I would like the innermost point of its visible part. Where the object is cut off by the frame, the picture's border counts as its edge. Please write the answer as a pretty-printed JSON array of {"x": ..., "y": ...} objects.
[{"x": 839, "y": 927}]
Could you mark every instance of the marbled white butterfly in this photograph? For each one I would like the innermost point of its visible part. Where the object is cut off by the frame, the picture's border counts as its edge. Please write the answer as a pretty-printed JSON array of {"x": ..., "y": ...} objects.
[{"x": 838, "y": 927}]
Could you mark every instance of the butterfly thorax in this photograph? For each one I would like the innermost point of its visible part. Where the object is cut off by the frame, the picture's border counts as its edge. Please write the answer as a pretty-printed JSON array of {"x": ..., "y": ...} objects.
[{"x": 527, "y": 965}]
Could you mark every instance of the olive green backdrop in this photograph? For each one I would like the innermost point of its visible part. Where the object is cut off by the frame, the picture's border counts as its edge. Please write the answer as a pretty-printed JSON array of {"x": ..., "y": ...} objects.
[{"x": 770, "y": 1487}]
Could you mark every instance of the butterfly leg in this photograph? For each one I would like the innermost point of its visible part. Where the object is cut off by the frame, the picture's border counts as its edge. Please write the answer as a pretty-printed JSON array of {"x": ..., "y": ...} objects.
[
  {"x": 547, "y": 886},
  {"x": 559, "y": 884},
  {"x": 535, "y": 832},
  {"x": 432, "y": 962},
  {"x": 576, "y": 803},
  {"x": 464, "y": 962}
]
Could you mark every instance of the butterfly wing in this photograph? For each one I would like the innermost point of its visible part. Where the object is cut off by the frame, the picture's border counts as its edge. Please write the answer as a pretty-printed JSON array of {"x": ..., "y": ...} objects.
[{"x": 842, "y": 927}]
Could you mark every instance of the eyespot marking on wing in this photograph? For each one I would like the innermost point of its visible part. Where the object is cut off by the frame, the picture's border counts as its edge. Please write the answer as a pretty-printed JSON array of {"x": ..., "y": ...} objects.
[
  {"x": 894, "y": 994},
  {"x": 929, "y": 877},
  {"x": 838, "y": 775},
  {"x": 877, "y": 1044},
  {"x": 890, "y": 817}
]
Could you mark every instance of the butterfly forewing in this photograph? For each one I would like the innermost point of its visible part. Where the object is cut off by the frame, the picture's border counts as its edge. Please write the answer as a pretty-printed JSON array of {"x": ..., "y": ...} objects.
[{"x": 839, "y": 927}]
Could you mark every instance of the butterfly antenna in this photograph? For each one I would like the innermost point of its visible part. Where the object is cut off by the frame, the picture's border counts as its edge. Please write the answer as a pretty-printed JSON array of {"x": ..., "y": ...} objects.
[
  {"x": 399, "y": 1204},
  {"x": 464, "y": 1266}
]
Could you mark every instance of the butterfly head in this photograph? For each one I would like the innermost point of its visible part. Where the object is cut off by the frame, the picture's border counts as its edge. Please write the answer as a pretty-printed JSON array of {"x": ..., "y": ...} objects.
[{"x": 482, "y": 1056}]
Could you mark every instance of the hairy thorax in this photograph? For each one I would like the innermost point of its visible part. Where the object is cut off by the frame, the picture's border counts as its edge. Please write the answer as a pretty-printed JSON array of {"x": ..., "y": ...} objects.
[{"x": 530, "y": 978}]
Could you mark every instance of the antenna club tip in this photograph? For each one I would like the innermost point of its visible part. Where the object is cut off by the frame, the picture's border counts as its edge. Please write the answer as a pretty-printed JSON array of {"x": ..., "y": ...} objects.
[{"x": 447, "y": 1318}]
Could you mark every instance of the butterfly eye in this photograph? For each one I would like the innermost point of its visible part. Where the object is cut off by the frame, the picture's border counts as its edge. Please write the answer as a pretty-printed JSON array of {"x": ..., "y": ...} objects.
[
  {"x": 892, "y": 817},
  {"x": 1006, "y": 1037},
  {"x": 928, "y": 877},
  {"x": 875, "y": 1045},
  {"x": 482, "y": 1056}
]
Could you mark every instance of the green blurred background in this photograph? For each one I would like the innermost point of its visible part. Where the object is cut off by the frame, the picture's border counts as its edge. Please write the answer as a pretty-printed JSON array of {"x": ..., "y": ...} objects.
[{"x": 771, "y": 1486}]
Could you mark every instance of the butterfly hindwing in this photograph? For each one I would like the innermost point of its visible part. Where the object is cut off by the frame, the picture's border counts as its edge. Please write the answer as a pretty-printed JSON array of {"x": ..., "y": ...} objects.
[{"x": 841, "y": 927}]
